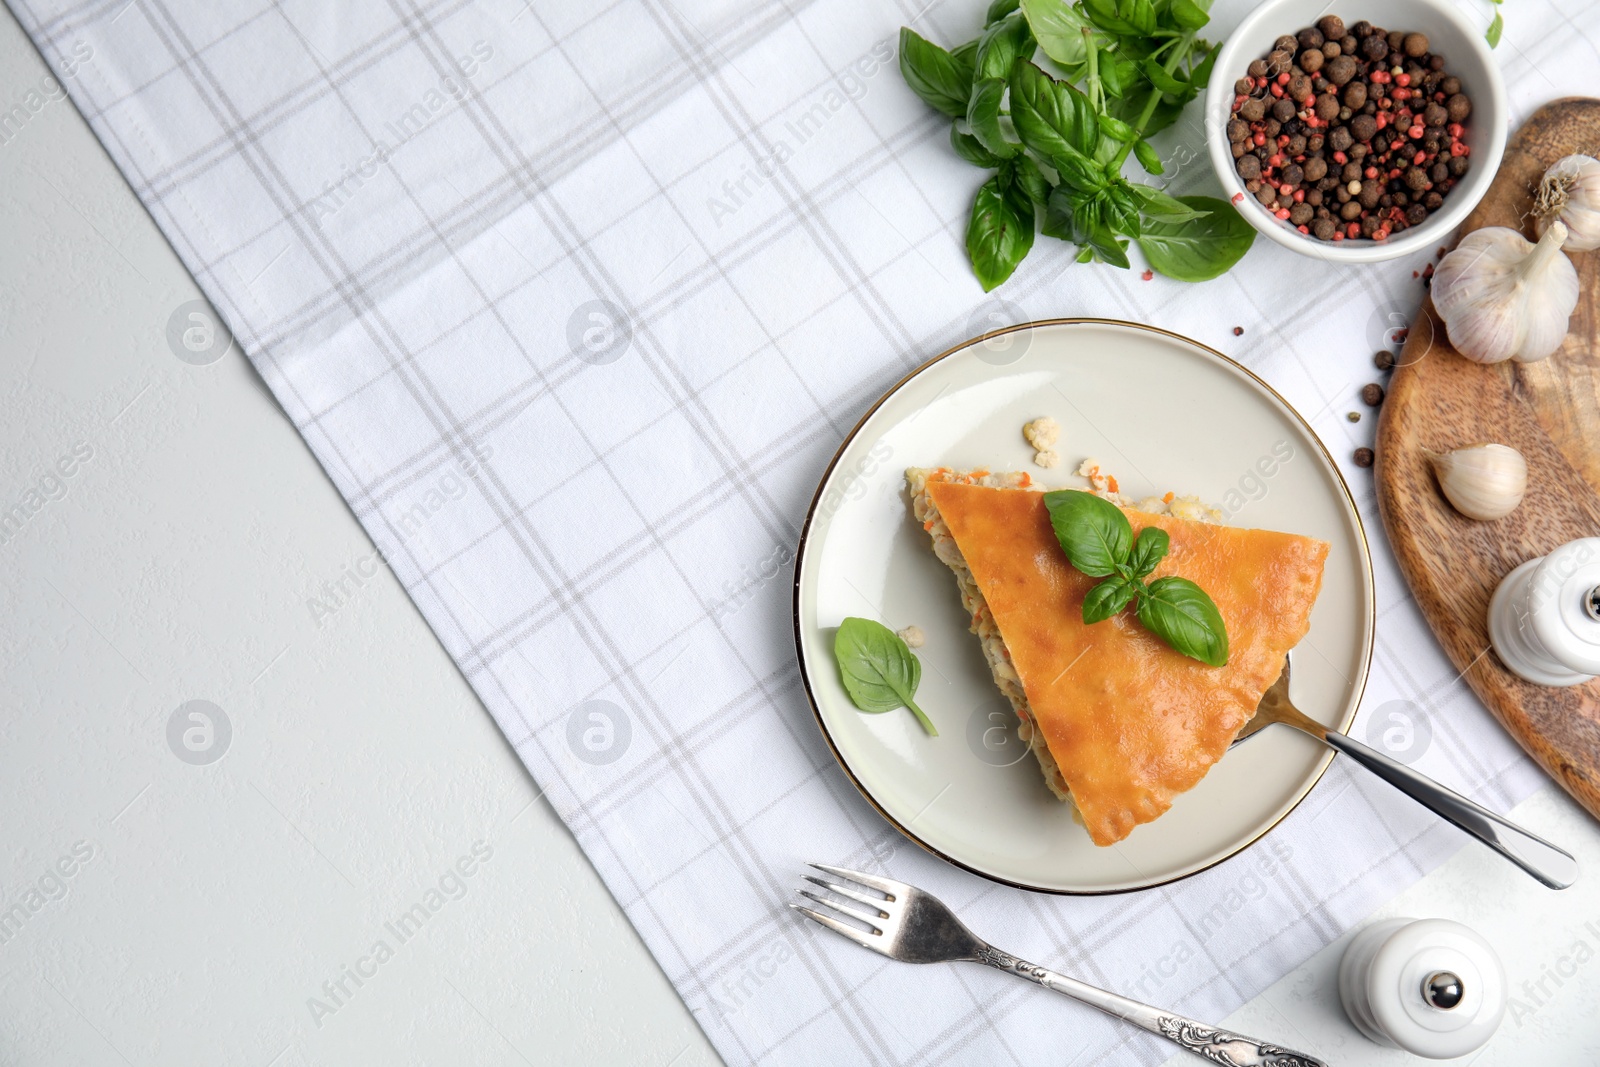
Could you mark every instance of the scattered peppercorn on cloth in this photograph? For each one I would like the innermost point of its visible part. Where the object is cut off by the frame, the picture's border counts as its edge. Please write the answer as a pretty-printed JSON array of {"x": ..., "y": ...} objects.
[{"x": 630, "y": 272}]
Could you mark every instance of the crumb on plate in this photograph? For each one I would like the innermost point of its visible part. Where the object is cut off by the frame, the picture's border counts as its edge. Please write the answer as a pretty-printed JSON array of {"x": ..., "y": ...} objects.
[{"x": 911, "y": 635}]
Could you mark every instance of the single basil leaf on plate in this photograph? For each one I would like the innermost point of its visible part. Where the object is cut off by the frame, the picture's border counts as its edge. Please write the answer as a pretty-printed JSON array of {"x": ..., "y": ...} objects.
[
  {"x": 1094, "y": 533},
  {"x": 1058, "y": 27},
  {"x": 1148, "y": 550},
  {"x": 1159, "y": 207},
  {"x": 879, "y": 672},
  {"x": 1184, "y": 616},
  {"x": 1000, "y": 232},
  {"x": 943, "y": 81},
  {"x": 969, "y": 148},
  {"x": 1002, "y": 45},
  {"x": 1201, "y": 248},
  {"x": 1052, "y": 117},
  {"x": 999, "y": 10},
  {"x": 1107, "y": 598},
  {"x": 983, "y": 116},
  {"x": 1496, "y": 27}
]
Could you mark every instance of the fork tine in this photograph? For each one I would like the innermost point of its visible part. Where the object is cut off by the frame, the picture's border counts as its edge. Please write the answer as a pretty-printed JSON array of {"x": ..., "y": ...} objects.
[
  {"x": 853, "y": 894},
  {"x": 865, "y": 940},
  {"x": 886, "y": 885},
  {"x": 873, "y": 921}
]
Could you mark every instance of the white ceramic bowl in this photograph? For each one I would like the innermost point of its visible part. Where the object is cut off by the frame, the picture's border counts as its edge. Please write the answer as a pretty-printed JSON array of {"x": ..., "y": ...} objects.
[{"x": 1467, "y": 56}]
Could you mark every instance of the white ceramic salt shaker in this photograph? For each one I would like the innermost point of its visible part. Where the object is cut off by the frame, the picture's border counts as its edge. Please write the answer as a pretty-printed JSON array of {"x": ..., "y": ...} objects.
[
  {"x": 1430, "y": 986},
  {"x": 1544, "y": 618}
]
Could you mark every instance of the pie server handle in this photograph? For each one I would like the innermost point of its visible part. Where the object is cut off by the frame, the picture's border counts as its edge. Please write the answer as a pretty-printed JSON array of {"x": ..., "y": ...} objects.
[{"x": 1553, "y": 866}]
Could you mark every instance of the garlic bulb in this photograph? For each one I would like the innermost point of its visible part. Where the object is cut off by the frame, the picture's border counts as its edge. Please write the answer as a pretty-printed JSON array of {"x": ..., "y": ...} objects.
[
  {"x": 1482, "y": 481},
  {"x": 1503, "y": 297},
  {"x": 1570, "y": 192}
]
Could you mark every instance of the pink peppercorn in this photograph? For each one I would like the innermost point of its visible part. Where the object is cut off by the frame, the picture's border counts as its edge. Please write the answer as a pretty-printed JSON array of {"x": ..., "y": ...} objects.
[
  {"x": 1282, "y": 213},
  {"x": 1458, "y": 149}
]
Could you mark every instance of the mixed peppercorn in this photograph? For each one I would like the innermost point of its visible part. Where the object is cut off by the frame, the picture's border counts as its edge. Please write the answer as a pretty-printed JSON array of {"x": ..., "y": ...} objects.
[{"x": 1349, "y": 132}]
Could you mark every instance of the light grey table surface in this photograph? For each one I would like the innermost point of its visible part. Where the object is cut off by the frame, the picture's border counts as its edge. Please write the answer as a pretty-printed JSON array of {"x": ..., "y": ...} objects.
[{"x": 228, "y": 889}]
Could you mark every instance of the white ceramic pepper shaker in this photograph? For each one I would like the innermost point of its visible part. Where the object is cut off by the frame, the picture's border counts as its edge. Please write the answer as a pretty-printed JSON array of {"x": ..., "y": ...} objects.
[
  {"x": 1544, "y": 618},
  {"x": 1430, "y": 986}
]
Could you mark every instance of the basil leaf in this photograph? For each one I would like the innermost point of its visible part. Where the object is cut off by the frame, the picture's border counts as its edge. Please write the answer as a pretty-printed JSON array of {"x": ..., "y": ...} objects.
[
  {"x": 1148, "y": 159},
  {"x": 1200, "y": 248},
  {"x": 1201, "y": 74},
  {"x": 1159, "y": 78},
  {"x": 1181, "y": 614},
  {"x": 1112, "y": 16},
  {"x": 1159, "y": 207},
  {"x": 1059, "y": 28},
  {"x": 1107, "y": 246},
  {"x": 1122, "y": 209},
  {"x": 1002, "y": 45},
  {"x": 1108, "y": 598},
  {"x": 983, "y": 115},
  {"x": 1496, "y": 27},
  {"x": 1000, "y": 231},
  {"x": 878, "y": 670},
  {"x": 1094, "y": 533},
  {"x": 969, "y": 148},
  {"x": 999, "y": 10},
  {"x": 1032, "y": 180},
  {"x": 1052, "y": 118},
  {"x": 1115, "y": 128},
  {"x": 1188, "y": 14},
  {"x": 1148, "y": 550},
  {"x": 943, "y": 81}
]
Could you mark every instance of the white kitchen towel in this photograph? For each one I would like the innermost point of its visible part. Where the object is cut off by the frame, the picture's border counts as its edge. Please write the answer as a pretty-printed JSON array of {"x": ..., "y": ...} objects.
[{"x": 627, "y": 272}]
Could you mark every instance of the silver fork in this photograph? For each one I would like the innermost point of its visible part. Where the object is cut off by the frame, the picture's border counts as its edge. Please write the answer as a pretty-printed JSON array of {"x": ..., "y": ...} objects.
[{"x": 910, "y": 925}]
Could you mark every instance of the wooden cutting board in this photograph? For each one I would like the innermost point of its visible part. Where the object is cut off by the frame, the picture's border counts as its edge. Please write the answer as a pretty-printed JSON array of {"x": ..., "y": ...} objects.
[{"x": 1550, "y": 411}]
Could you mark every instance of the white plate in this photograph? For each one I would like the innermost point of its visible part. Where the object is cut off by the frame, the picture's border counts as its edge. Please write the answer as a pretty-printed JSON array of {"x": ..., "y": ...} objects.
[{"x": 1161, "y": 413}]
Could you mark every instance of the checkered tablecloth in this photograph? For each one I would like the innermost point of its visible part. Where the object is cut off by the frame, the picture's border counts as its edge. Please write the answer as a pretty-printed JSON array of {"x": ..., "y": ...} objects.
[{"x": 574, "y": 302}]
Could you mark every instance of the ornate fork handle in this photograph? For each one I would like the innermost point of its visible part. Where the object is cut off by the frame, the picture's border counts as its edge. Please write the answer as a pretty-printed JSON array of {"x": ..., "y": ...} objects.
[{"x": 1218, "y": 1046}]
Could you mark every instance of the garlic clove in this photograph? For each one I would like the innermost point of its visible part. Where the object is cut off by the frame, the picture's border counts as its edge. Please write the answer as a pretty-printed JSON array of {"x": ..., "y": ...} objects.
[
  {"x": 1504, "y": 297},
  {"x": 1570, "y": 191},
  {"x": 1483, "y": 481}
]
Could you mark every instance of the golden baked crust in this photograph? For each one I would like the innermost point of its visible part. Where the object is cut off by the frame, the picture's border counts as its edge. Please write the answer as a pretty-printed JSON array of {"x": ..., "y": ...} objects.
[{"x": 1130, "y": 721}]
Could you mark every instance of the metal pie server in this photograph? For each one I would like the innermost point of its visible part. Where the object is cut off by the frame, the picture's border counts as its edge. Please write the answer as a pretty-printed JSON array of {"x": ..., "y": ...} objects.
[{"x": 1551, "y": 865}]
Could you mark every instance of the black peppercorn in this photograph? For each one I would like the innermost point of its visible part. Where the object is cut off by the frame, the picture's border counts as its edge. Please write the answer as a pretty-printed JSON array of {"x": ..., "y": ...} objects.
[
  {"x": 1331, "y": 27},
  {"x": 1363, "y": 457},
  {"x": 1362, "y": 127},
  {"x": 1253, "y": 109},
  {"x": 1372, "y": 394},
  {"x": 1374, "y": 48},
  {"x": 1383, "y": 359}
]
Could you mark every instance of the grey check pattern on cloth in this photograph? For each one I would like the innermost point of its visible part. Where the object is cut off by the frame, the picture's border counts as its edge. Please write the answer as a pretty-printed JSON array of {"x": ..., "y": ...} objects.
[{"x": 628, "y": 272}]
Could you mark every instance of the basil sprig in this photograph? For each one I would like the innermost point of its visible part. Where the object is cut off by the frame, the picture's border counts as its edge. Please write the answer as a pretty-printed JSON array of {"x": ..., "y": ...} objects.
[
  {"x": 879, "y": 672},
  {"x": 1099, "y": 542},
  {"x": 1130, "y": 67}
]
